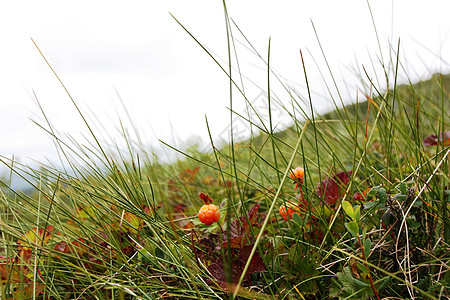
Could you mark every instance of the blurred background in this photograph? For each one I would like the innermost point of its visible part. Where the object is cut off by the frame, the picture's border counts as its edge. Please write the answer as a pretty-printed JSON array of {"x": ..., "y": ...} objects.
[{"x": 131, "y": 65}]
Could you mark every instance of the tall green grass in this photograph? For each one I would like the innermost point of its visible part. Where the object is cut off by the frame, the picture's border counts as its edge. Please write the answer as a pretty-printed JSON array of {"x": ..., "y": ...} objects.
[{"x": 119, "y": 224}]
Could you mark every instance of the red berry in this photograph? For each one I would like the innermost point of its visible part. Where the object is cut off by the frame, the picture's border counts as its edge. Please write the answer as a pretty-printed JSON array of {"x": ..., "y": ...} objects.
[
  {"x": 208, "y": 214},
  {"x": 361, "y": 197},
  {"x": 358, "y": 197}
]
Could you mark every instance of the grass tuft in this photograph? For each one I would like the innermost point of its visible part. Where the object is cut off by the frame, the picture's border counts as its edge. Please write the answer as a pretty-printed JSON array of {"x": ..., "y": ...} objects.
[{"x": 368, "y": 217}]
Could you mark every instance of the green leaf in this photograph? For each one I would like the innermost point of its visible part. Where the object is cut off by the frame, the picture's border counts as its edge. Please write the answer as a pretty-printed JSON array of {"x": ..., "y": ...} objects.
[
  {"x": 413, "y": 224},
  {"x": 367, "y": 246},
  {"x": 382, "y": 195},
  {"x": 357, "y": 211},
  {"x": 369, "y": 205},
  {"x": 418, "y": 203},
  {"x": 363, "y": 270},
  {"x": 400, "y": 197},
  {"x": 348, "y": 208},
  {"x": 387, "y": 218},
  {"x": 402, "y": 188},
  {"x": 364, "y": 232},
  {"x": 360, "y": 283},
  {"x": 372, "y": 192},
  {"x": 344, "y": 286},
  {"x": 353, "y": 228},
  {"x": 297, "y": 219},
  {"x": 159, "y": 253},
  {"x": 144, "y": 256},
  {"x": 384, "y": 283}
]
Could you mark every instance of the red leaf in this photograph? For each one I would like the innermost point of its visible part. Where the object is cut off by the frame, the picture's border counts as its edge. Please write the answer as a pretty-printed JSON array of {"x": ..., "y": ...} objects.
[
  {"x": 189, "y": 175},
  {"x": 129, "y": 250},
  {"x": 206, "y": 247},
  {"x": 149, "y": 210},
  {"x": 217, "y": 269},
  {"x": 62, "y": 247},
  {"x": 358, "y": 197},
  {"x": 432, "y": 140},
  {"x": 16, "y": 269},
  {"x": 239, "y": 228},
  {"x": 79, "y": 246},
  {"x": 257, "y": 263},
  {"x": 29, "y": 291},
  {"x": 253, "y": 212},
  {"x": 25, "y": 256},
  {"x": 206, "y": 199},
  {"x": 35, "y": 237},
  {"x": 332, "y": 189},
  {"x": 180, "y": 207},
  {"x": 207, "y": 250}
]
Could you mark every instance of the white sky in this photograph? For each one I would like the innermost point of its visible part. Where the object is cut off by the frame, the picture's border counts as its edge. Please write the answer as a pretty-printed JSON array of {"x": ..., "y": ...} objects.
[{"x": 167, "y": 82}]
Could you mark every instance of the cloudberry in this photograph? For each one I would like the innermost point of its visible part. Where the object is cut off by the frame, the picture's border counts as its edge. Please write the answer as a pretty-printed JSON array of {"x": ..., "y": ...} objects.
[
  {"x": 286, "y": 211},
  {"x": 297, "y": 174},
  {"x": 208, "y": 214}
]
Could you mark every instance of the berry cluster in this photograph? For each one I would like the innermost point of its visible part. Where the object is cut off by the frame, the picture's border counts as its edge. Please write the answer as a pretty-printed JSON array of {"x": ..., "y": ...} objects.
[{"x": 209, "y": 213}]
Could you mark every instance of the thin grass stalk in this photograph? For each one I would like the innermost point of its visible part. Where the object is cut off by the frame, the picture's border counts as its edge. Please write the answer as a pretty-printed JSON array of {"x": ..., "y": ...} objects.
[
  {"x": 269, "y": 212},
  {"x": 73, "y": 102}
]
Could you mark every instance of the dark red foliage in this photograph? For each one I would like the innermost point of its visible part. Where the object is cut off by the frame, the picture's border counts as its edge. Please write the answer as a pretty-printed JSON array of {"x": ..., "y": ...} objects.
[
  {"x": 256, "y": 264},
  {"x": 218, "y": 272},
  {"x": 217, "y": 269},
  {"x": 206, "y": 199},
  {"x": 331, "y": 189},
  {"x": 208, "y": 249},
  {"x": 77, "y": 247},
  {"x": 206, "y": 246},
  {"x": 189, "y": 175},
  {"x": 239, "y": 228},
  {"x": 19, "y": 265},
  {"x": 358, "y": 197},
  {"x": 228, "y": 183},
  {"x": 432, "y": 140},
  {"x": 179, "y": 208},
  {"x": 149, "y": 210},
  {"x": 62, "y": 247}
]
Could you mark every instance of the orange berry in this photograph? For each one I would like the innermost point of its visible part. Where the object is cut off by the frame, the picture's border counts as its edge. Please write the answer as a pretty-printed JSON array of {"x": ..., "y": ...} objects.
[
  {"x": 297, "y": 173},
  {"x": 286, "y": 211},
  {"x": 208, "y": 214}
]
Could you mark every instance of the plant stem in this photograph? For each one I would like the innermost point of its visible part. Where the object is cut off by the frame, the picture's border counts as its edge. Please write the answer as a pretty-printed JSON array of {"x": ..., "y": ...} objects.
[{"x": 365, "y": 263}]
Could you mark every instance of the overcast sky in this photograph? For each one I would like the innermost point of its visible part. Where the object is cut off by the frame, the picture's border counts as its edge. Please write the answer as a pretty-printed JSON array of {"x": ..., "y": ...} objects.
[{"x": 135, "y": 49}]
